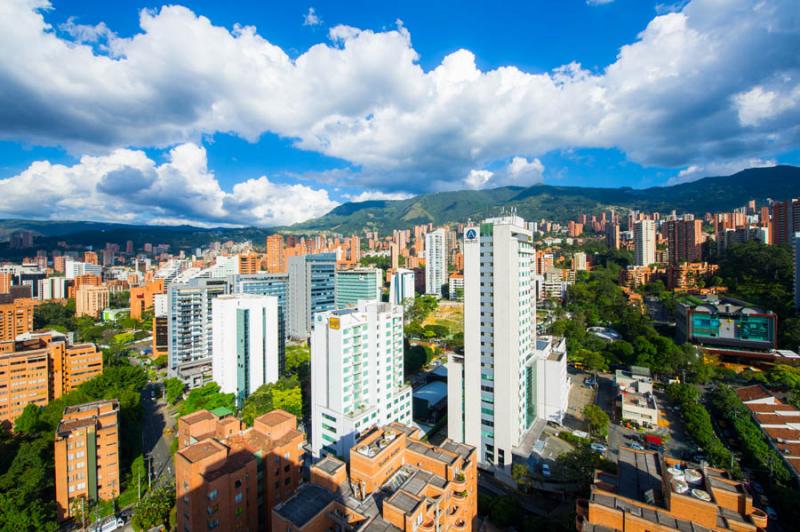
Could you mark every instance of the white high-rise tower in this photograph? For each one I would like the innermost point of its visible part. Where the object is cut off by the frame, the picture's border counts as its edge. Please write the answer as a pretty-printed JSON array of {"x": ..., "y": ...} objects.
[
  {"x": 435, "y": 261},
  {"x": 644, "y": 238}
]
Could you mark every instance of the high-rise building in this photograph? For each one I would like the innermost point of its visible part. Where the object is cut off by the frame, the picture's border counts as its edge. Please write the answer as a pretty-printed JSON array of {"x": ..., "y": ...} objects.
[
  {"x": 244, "y": 343},
  {"x": 397, "y": 482},
  {"x": 53, "y": 288},
  {"x": 189, "y": 317},
  {"x": 312, "y": 289},
  {"x": 16, "y": 317},
  {"x": 499, "y": 338},
  {"x": 91, "y": 300},
  {"x": 401, "y": 287},
  {"x": 685, "y": 240},
  {"x": 505, "y": 381},
  {"x": 612, "y": 235},
  {"x": 359, "y": 284},
  {"x": 276, "y": 256},
  {"x": 269, "y": 284},
  {"x": 73, "y": 268},
  {"x": 249, "y": 263},
  {"x": 142, "y": 297},
  {"x": 357, "y": 377},
  {"x": 435, "y": 262},
  {"x": 229, "y": 477},
  {"x": 87, "y": 456},
  {"x": 797, "y": 270},
  {"x": 785, "y": 221},
  {"x": 644, "y": 238},
  {"x": 579, "y": 261}
]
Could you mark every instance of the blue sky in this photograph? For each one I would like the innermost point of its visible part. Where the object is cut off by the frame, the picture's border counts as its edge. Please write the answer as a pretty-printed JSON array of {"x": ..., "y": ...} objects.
[{"x": 334, "y": 101}]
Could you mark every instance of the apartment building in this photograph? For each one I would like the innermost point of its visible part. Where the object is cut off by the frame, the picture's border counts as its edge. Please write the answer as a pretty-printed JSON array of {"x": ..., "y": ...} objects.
[
  {"x": 785, "y": 221},
  {"x": 396, "y": 482},
  {"x": 455, "y": 287},
  {"x": 244, "y": 352},
  {"x": 644, "y": 239},
  {"x": 142, "y": 298},
  {"x": 189, "y": 319},
  {"x": 249, "y": 263},
  {"x": 16, "y": 317},
  {"x": 358, "y": 284},
  {"x": 87, "y": 455},
  {"x": 270, "y": 284},
  {"x": 312, "y": 289},
  {"x": 656, "y": 492},
  {"x": 229, "y": 477},
  {"x": 685, "y": 240},
  {"x": 276, "y": 255},
  {"x": 40, "y": 368},
  {"x": 401, "y": 287},
  {"x": 91, "y": 300},
  {"x": 435, "y": 262},
  {"x": 357, "y": 379}
]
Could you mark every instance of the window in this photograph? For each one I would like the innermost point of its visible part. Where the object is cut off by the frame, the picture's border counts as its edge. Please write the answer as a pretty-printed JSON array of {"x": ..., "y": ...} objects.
[
  {"x": 238, "y": 498},
  {"x": 212, "y": 495}
]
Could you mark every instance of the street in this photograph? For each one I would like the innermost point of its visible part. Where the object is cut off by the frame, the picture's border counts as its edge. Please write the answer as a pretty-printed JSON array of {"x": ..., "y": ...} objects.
[{"x": 155, "y": 445}]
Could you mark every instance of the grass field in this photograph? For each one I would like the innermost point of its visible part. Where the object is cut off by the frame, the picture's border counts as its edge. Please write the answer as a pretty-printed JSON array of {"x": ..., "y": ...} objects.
[{"x": 449, "y": 314}]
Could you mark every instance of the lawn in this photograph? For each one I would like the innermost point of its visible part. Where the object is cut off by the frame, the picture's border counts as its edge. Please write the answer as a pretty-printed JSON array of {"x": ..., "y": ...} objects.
[{"x": 449, "y": 314}]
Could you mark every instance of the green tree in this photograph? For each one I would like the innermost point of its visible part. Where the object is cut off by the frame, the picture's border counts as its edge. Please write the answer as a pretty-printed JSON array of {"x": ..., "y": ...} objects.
[
  {"x": 154, "y": 509},
  {"x": 160, "y": 361},
  {"x": 30, "y": 421},
  {"x": 521, "y": 475},
  {"x": 285, "y": 394},
  {"x": 206, "y": 397},
  {"x": 505, "y": 511},
  {"x": 579, "y": 465},
  {"x": 174, "y": 389},
  {"x": 597, "y": 420}
]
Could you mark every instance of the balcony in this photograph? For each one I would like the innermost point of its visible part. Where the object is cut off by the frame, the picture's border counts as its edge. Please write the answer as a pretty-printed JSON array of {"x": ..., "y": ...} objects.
[
  {"x": 460, "y": 495},
  {"x": 459, "y": 482},
  {"x": 460, "y": 524},
  {"x": 428, "y": 525}
]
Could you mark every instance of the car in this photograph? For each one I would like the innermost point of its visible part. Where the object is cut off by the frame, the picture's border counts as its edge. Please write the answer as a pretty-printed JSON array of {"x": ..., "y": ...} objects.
[
  {"x": 598, "y": 448},
  {"x": 771, "y": 513},
  {"x": 636, "y": 446},
  {"x": 546, "y": 470}
]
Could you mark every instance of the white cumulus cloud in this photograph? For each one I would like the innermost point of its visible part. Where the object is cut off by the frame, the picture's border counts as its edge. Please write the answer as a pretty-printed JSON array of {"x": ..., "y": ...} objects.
[
  {"x": 709, "y": 81},
  {"x": 311, "y": 18},
  {"x": 370, "y": 195},
  {"x": 127, "y": 186},
  {"x": 699, "y": 171}
]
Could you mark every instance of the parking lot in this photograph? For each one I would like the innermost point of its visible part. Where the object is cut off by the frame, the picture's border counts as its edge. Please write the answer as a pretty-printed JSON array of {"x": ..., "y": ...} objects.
[{"x": 579, "y": 397}]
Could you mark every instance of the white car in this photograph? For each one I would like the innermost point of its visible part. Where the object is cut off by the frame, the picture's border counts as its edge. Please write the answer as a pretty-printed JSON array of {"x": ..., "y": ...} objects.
[{"x": 598, "y": 448}]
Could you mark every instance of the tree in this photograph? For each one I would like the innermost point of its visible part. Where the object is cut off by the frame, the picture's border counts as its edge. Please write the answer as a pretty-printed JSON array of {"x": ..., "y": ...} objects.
[
  {"x": 160, "y": 361},
  {"x": 174, "y": 389},
  {"x": 154, "y": 509},
  {"x": 579, "y": 465},
  {"x": 521, "y": 475},
  {"x": 505, "y": 511},
  {"x": 285, "y": 394},
  {"x": 207, "y": 397},
  {"x": 30, "y": 421},
  {"x": 597, "y": 420}
]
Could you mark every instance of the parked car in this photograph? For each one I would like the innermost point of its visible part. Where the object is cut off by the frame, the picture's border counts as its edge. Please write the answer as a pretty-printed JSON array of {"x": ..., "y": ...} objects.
[
  {"x": 546, "y": 470},
  {"x": 598, "y": 448},
  {"x": 636, "y": 446}
]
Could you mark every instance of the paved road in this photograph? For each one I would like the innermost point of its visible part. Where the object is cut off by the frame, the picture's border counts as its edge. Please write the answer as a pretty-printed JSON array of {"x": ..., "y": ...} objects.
[{"x": 154, "y": 444}]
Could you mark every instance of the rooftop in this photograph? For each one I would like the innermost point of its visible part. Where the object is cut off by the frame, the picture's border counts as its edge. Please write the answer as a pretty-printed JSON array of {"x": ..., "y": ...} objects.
[
  {"x": 274, "y": 418},
  {"x": 433, "y": 392},
  {"x": 202, "y": 450},
  {"x": 329, "y": 464},
  {"x": 752, "y": 393},
  {"x": 196, "y": 417},
  {"x": 308, "y": 501},
  {"x": 404, "y": 501}
]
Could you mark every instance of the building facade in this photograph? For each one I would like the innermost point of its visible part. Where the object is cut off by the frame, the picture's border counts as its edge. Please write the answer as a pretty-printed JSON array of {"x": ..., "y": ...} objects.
[
  {"x": 91, "y": 300},
  {"x": 244, "y": 343},
  {"x": 87, "y": 456},
  {"x": 499, "y": 341},
  {"x": 16, "y": 317},
  {"x": 357, "y": 378},
  {"x": 401, "y": 287},
  {"x": 435, "y": 261},
  {"x": 644, "y": 239},
  {"x": 685, "y": 240},
  {"x": 270, "y": 284},
  {"x": 359, "y": 284},
  {"x": 189, "y": 315},
  {"x": 312, "y": 289},
  {"x": 229, "y": 477},
  {"x": 42, "y": 368}
]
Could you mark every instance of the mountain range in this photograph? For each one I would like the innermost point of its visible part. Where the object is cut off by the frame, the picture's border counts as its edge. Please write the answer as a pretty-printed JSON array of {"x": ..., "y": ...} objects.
[{"x": 558, "y": 203}]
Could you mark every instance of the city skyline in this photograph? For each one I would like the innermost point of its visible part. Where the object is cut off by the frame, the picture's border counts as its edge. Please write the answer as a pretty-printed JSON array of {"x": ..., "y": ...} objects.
[{"x": 595, "y": 103}]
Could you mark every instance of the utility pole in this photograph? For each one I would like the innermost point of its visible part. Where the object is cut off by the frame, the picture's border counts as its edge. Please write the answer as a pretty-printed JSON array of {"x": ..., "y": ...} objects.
[{"x": 139, "y": 478}]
